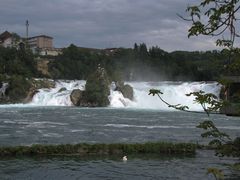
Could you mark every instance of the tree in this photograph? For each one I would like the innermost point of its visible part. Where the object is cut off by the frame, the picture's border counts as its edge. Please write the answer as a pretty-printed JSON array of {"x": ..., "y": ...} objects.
[
  {"x": 215, "y": 18},
  {"x": 221, "y": 142}
]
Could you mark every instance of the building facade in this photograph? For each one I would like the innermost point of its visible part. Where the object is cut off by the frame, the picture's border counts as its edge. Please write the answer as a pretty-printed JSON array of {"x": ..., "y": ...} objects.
[
  {"x": 41, "y": 45},
  {"x": 50, "y": 51},
  {"x": 40, "y": 42}
]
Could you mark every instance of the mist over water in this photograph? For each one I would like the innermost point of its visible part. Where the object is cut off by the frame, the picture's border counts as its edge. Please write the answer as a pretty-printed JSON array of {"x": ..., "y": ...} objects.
[{"x": 173, "y": 92}]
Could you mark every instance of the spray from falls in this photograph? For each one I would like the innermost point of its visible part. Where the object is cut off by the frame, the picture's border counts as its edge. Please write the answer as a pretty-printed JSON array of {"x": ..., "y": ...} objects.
[{"x": 173, "y": 92}]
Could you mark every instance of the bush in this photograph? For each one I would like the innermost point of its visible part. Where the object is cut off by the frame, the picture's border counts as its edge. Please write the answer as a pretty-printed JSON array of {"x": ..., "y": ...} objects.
[{"x": 18, "y": 88}]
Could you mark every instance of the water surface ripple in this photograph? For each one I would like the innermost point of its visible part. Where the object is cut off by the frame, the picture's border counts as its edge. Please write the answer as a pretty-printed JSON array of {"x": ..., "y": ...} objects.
[{"x": 57, "y": 125}]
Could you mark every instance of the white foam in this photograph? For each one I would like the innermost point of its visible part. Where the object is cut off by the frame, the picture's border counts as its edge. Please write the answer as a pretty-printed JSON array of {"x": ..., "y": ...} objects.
[
  {"x": 148, "y": 127},
  {"x": 173, "y": 92},
  {"x": 55, "y": 97},
  {"x": 56, "y": 135}
]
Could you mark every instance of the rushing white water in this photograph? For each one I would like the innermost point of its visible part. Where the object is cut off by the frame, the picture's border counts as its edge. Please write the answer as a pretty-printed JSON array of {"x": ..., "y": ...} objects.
[
  {"x": 58, "y": 96},
  {"x": 173, "y": 92}
]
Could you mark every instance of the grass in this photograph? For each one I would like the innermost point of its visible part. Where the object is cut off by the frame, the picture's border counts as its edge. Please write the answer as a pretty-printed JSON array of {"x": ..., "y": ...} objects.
[{"x": 84, "y": 149}]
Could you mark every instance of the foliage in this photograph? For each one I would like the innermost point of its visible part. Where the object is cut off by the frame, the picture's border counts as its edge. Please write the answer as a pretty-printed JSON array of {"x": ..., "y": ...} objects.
[
  {"x": 17, "y": 62},
  {"x": 180, "y": 107},
  {"x": 78, "y": 63},
  {"x": 18, "y": 88},
  {"x": 213, "y": 132},
  {"x": 215, "y": 17},
  {"x": 221, "y": 141},
  {"x": 140, "y": 63},
  {"x": 208, "y": 101},
  {"x": 100, "y": 149},
  {"x": 97, "y": 88}
]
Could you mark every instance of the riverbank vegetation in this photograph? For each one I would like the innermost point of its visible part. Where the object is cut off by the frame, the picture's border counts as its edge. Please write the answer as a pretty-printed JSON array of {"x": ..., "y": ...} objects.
[
  {"x": 100, "y": 149},
  {"x": 17, "y": 62},
  {"x": 140, "y": 63},
  {"x": 130, "y": 64}
]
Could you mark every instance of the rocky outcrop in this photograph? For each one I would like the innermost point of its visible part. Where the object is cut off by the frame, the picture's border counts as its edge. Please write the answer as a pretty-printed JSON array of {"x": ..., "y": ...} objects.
[
  {"x": 76, "y": 96},
  {"x": 62, "y": 89},
  {"x": 37, "y": 84},
  {"x": 96, "y": 91},
  {"x": 42, "y": 83},
  {"x": 42, "y": 67},
  {"x": 125, "y": 89},
  {"x": 30, "y": 95}
]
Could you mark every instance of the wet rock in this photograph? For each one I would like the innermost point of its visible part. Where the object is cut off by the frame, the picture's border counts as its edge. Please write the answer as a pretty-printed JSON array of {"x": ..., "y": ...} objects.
[
  {"x": 62, "y": 89},
  {"x": 42, "y": 83},
  {"x": 30, "y": 95},
  {"x": 75, "y": 96},
  {"x": 125, "y": 89}
]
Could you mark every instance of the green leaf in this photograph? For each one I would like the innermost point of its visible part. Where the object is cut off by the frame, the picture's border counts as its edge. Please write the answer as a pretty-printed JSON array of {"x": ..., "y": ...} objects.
[{"x": 154, "y": 92}]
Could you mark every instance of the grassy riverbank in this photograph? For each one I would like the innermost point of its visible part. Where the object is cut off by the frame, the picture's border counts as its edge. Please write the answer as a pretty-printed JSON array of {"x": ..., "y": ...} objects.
[{"x": 100, "y": 149}]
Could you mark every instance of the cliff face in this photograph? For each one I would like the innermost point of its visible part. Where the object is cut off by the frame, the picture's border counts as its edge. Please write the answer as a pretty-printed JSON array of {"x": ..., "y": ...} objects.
[{"x": 42, "y": 67}]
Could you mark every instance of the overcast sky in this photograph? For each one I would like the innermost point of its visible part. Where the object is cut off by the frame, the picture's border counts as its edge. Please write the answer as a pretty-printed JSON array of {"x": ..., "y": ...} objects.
[{"x": 104, "y": 23}]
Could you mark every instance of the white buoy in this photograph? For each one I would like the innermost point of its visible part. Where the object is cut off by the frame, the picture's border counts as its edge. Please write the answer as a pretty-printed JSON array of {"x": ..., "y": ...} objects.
[{"x": 124, "y": 158}]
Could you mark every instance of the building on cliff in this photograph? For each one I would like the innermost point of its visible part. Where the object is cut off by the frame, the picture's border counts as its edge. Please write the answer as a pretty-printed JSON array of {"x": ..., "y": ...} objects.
[
  {"x": 43, "y": 45},
  {"x": 41, "y": 41}
]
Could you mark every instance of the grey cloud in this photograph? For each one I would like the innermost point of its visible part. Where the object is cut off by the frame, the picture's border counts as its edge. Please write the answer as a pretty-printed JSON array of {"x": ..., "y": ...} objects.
[{"x": 104, "y": 23}]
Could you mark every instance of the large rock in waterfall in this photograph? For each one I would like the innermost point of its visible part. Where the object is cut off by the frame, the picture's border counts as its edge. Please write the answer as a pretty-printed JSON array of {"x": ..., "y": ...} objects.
[
  {"x": 37, "y": 84},
  {"x": 42, "y": 83},
  {"x": 76, "y": 96},
  {"x": 96, "y": 91},
  {"x": 125, "y": 89}
]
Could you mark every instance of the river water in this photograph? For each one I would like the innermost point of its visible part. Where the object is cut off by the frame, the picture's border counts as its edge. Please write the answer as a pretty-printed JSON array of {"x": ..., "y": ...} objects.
[
  {"x": 56, "y": 125},
  {"x": 51, "y": 119}
]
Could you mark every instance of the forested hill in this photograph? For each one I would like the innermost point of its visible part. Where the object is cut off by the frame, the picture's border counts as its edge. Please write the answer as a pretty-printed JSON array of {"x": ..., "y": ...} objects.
[{"x": 138, "y": 63}]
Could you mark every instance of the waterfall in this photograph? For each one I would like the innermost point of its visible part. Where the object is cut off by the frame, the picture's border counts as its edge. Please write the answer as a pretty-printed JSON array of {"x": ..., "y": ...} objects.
[
  {"x": 173, "y": 92},
  {"x": 58, "y": 96}
]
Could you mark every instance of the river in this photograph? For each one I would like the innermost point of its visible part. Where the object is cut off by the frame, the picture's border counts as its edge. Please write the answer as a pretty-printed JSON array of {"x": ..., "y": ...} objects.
[{"x": 48, "y": 124}]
